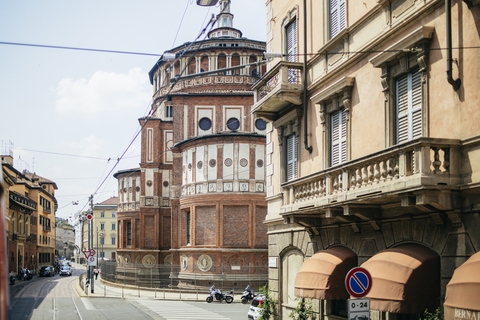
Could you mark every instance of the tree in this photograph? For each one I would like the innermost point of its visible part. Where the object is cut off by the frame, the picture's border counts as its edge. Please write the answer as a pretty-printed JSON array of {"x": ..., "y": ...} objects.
[{"x": 268, "y": 304}]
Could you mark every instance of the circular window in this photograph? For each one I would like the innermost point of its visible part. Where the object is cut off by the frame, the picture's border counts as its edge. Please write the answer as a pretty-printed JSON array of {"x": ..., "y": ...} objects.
[
  {"x": 260, "y": 163},
  {"x": 228, "y": 162},
  {"x": 137, "y": 188},
  {"x": 213, "y": 162},
  {"x": 243, "y": 162},
  {"x": 205, "y": 124},
  {"x": 189, "y": 166},
  {"x": 233, "y": 124},
  {"x": 165, "y": 184},
  {"x": 260, "y": 124},
  {"x": 199, "y": 164},
  {"x": 149, "y": 183}
]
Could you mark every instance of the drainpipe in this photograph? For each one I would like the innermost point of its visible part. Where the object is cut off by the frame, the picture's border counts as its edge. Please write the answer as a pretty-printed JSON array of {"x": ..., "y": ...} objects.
[
  {"x": 305, "y": 98},
  {"x": 448, "y": 12}
]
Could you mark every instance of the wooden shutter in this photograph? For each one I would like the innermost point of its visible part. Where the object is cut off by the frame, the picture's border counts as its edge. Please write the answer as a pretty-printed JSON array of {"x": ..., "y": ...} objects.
[
  {"x": 338, "y": 137},
  {"x": 291, "y": 157},
  {"x": 337, "y": 17},
  {"x": 292, "y": 51},
  {"x": 409, "y": 107}
]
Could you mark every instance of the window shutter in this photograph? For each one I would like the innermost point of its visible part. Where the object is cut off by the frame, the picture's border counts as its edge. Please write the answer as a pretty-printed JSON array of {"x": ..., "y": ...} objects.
[
  {"x": 292, "y": 51},
  {"x": 292, "y": 42},
  {"x": 339, "y": 137},
  {"x": 291, "y": 157},
  {"x": 337, "y": 17},
  {"x": 409, "y": 107}
]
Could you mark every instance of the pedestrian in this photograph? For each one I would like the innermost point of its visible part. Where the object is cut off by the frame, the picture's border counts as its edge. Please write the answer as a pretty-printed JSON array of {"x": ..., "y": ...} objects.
[{"x": 96, "y": 273}]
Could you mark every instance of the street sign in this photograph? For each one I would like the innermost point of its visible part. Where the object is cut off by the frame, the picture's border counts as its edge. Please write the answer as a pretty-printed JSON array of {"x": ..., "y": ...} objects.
[
  {"x": 359, "y": 309},
  {"x": 89, "y": 216},
  {"x": 358, "y": 282},
  {"x": 87, "y": 254},
  {"x": 92, "y": 261},
  {"x": 92, "y": 252}
]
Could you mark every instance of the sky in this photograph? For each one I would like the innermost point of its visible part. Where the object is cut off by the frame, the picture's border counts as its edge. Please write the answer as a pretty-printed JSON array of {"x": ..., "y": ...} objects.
[{"x": 70, "y": 114}]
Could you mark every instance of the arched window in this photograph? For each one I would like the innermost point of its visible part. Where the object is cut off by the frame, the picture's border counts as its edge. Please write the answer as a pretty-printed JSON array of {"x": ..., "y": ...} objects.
[
  {"x": 192, "y": 66},
  {"x": 236, "y": 62},
  {"x": 221, "y": 61},
  {"x": 204, "y": 65}
]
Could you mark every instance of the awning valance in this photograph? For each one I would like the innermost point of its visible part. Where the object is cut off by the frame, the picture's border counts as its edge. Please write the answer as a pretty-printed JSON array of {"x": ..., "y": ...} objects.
[
  {"x": 405, "y": 279},
  {"x": 462, "y": 298},
  {"x": 322, "y": 276}
]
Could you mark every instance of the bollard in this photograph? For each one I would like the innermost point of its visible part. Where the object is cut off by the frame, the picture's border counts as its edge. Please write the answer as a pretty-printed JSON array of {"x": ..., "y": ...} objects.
[
  {"x": 122, "y": 292},
  {"x": 180, "y": 292},
  {"x": 156, "y": 292},
  {"x": 163, "y": 293},
  {"x": 104, "y": 291},
  {"x": 138, "y": 291}
]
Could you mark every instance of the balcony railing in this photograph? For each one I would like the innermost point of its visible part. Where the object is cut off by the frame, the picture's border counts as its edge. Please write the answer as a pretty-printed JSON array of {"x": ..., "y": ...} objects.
[
  {"x": 411, "y": 166},
  {"x": 279, "y": 87}
]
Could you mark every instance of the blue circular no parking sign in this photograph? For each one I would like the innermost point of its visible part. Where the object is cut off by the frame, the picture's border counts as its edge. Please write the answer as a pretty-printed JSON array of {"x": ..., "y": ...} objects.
[{"x": 358, "y": 282}]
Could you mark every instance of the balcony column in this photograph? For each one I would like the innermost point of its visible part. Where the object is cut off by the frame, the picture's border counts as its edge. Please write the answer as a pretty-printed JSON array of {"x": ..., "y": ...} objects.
[{"x": 422, "y": 157}]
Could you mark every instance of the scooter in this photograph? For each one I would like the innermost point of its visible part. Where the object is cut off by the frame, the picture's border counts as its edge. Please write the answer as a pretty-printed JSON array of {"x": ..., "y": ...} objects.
[
  {"x": 12, "y": 280},
  {"x": 247, "y": 295},
  {"x": 218, "y": 295}
]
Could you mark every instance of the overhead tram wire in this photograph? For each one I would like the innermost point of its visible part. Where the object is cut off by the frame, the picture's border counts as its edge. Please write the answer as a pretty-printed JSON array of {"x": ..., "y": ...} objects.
[{"x": 159, "y": 55}]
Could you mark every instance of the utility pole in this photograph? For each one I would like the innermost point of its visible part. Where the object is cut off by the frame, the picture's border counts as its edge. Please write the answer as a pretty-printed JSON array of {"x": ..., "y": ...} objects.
[{"x": 90, "y": 238}]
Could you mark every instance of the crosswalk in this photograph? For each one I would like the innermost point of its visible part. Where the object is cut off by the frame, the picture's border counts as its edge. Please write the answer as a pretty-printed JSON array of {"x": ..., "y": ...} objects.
[{"x": 175, "y": 310}]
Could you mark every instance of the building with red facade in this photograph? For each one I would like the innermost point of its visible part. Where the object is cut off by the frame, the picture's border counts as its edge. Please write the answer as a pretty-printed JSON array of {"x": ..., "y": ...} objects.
[{"x": 197, "y": 201}]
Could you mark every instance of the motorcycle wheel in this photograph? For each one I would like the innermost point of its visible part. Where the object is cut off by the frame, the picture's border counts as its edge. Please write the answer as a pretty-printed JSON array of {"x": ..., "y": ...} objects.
[
  {"x": 229, "y": 299},
  {"x": 209, "y": 299},
  {"x": 244, "y": 300}
]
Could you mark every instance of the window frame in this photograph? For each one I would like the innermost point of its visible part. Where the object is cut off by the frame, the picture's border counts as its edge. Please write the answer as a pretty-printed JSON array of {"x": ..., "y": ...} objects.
[
  {"x": 336, "y": 97},
  {"x": 396, "y": 61}
]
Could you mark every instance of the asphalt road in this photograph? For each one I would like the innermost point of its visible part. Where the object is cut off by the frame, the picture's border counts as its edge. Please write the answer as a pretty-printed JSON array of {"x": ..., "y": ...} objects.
[{"x": 57, "y": 298}]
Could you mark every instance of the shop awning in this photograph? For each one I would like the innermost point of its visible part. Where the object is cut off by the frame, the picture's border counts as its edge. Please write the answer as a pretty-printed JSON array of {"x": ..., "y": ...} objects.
[
  {"x": 322, "y": 276},
  {"x": 405, "y": 279},
  {"x": 462, "y": 298}
]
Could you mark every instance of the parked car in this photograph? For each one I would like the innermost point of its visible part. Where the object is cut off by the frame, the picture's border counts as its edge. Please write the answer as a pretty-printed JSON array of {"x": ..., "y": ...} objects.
[
  {"x": 65, "y": 271},
  {"x": 255, "y": 310},
  {"x": 46, "y": 272}
]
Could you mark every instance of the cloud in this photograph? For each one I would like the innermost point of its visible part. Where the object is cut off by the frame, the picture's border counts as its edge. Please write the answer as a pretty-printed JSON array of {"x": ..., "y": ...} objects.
[{"x": 105, "y": 94}]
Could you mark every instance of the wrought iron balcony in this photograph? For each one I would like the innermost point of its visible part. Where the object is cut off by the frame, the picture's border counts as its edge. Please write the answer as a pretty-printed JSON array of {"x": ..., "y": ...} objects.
[
  {"x": 420, "y": 174},
  {"x": 278, "y": 89}
]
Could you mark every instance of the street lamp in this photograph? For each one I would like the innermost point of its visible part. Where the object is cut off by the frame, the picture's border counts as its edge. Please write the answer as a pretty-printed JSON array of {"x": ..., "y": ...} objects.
[{"x": 207, "y": 3}]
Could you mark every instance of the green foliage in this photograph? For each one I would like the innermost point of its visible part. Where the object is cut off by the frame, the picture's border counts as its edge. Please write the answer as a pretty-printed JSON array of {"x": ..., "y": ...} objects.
[
  {"x": 303, "y": 311},
  {"x": 437, "y": 315},
  {"x": 268, "y": 304}
]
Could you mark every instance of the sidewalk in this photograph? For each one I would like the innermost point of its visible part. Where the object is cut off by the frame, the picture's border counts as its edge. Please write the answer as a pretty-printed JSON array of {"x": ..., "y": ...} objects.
[{"x": 105, "y": 289}]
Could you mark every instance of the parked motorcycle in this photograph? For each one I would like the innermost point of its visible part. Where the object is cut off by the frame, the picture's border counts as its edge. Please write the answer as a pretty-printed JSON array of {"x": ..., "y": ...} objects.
[
  {"x": 12, "y": 280},
  {"x": 218, "y": 295},
  {"x": 247, "y": 295}
]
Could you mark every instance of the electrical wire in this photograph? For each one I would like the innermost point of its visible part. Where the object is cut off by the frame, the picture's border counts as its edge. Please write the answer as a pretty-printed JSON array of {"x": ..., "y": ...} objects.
[{"x": 63, "y": 154}]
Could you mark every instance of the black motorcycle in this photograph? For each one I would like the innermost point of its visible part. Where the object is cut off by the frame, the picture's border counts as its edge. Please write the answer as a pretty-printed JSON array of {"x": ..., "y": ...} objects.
[
  {"x": 218, "y": 295},
  {"x": 247, "y": 295}
]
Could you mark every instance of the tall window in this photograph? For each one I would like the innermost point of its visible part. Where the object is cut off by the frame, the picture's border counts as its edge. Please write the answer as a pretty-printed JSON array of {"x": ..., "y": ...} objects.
[
  {"x": 291, "y": 157},
  {"x": 337, "y": 17},
  {"x": 114, "y": 214},
  {"x": 113, "y": 226},
  {"x": 129, "y": 233},
  {"x": 187, "y": 218},
  {"x": 291, "y": 36},
  {"x": 339, "y": 137},
  {"x": 102, "y": 226},
  {"x": 113, "y": 240},
  {"x": 102, "y": 214},
  {"x": 102, "y": 240},
  {"x": 168, "y": 111},
  {"x": 409, "y": 106}
]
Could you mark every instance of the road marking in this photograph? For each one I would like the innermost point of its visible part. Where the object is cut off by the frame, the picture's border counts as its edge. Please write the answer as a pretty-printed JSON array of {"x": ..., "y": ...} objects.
[
  {"x": 88, "y": 305},
  {"x": 171, "y": 310}
]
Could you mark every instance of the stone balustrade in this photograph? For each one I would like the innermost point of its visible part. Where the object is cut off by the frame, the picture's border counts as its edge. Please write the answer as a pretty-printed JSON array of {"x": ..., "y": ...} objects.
[{"x": 409, "y": 166}]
